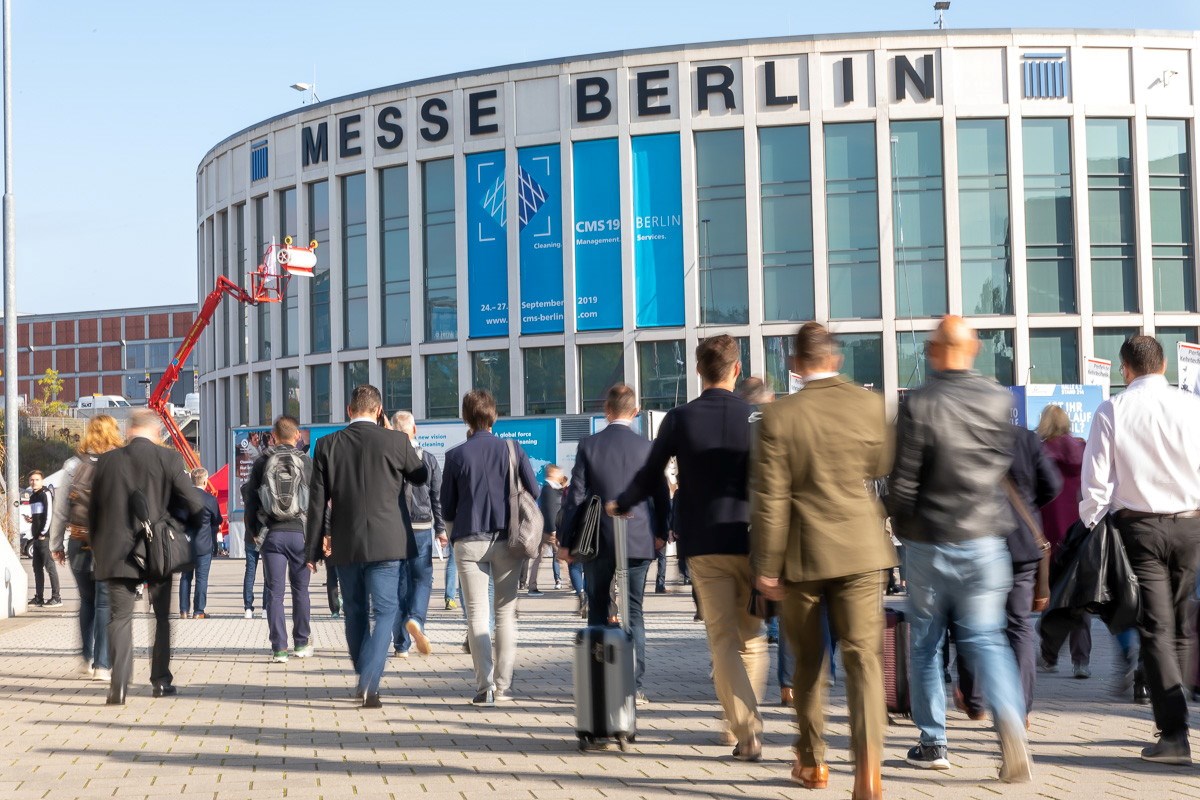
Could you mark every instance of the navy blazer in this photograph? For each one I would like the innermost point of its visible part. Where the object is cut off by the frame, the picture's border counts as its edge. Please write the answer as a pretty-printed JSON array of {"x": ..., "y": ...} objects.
[
  {"x": 710, "y": 440},
  {"x": 475, "y": 484},
  {"x": 1038, "y": 481},
  {"x": 603, "y": 465},
  {"x": 203, "y": 527}
]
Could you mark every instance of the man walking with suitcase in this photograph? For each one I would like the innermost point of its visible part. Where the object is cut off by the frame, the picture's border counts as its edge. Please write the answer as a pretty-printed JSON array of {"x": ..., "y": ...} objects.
[
  {"x": 817, "y": 538},
  {"x": 603, "y": 464}
]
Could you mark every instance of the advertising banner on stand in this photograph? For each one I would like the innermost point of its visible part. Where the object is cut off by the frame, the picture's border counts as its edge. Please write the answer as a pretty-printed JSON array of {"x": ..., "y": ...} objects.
[
  {"x": 658, "y": 230},
  {"x": 1188, "y": 359},
  {"x": 487, "y": 245},
  {"x": 1098, "y": 372},
  {"x": 597, "y": 200},
  {"x": 539, "y": 218},
  {"x": 438, "y": 437},
  {"x": 1080, "y": 403},
  {"x": 537, "y": 436}
]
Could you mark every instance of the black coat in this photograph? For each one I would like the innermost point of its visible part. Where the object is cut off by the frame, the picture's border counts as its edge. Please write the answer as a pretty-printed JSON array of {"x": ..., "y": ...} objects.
[
  {"x": 1038, "y": 481},
  {"x": 1092, "y": 574},
  {"x": 203, "y": 528},
  {"x": 361, "y": 470},
  {"x": 160, "y": 474},
  {"x": 603, "y": 465}
]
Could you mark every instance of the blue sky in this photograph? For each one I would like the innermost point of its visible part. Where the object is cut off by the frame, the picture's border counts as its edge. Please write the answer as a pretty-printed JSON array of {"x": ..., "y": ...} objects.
[{"x": 115, "y": 103}]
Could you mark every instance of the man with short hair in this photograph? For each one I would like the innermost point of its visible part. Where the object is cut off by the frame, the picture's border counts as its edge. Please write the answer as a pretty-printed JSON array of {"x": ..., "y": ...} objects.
[
  {"x": 1142, "y": 466},
  {"x": 423, "y": 504},
  {"x": 143, "y": 466},
  {"x": 946, "y": 496},
  {"x": 203, "y": 534},
  {"x": 710, "y": 440},
  {"x": 603, "y": 465},
  {"x": 549, "y": 503},
  {"x": 817, "y": 540},
  {"x": 41, "y": 511},
  {"x": 279, "y": 536},
  {"x": 361, "y": 471}
]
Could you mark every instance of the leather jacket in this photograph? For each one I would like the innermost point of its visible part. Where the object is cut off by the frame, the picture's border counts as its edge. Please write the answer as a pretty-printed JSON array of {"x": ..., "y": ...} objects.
[{"x": 954, "y": 442}]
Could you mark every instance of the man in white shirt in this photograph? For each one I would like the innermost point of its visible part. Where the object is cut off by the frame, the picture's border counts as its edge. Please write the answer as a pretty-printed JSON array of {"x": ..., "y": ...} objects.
[{"x": 1142, "y": 465}]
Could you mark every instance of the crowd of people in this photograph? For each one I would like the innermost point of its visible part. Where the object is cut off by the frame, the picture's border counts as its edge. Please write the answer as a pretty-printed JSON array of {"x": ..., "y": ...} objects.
[{"x": 799, "y": 502}]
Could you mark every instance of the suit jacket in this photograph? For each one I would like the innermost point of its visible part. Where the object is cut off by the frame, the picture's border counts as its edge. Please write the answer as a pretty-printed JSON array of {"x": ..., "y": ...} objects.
[
  {"x": 603, "y": 465},
  {"x": 475, "y": 484},
  {"x": 160, "y": 474},
  {"x": 815, "y": 512},
  {"x": 710, "y": 440},
  {"x": 1038, "y": 482},
  {"x": 203, "y": 527},
  {"x": 361, "y": 471}
]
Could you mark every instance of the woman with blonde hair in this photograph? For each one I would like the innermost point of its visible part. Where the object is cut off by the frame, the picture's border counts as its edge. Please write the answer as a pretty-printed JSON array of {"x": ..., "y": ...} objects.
[{"x": 70, "y": 520}]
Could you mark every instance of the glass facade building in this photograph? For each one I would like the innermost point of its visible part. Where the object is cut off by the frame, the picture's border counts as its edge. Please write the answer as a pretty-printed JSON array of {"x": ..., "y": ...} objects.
[{"x": 546, "y": 231}]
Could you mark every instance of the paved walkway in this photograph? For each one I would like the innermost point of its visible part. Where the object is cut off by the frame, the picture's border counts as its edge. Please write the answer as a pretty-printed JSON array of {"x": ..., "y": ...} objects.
[{"x": 242, "y": 727}]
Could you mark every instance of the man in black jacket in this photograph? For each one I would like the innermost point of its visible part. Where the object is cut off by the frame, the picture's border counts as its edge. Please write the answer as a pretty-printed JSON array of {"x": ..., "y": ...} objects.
[
  {"x": 710, "y": 441},
  {"x": 361, "y": 471},
  {"x": 158, "y": 473},
  {"x": 603, "y": 465},
  {"x": 1038, "y": 481},
  {"x": 203, "y": 533},
  {"x": 946, "y": 496},
  {"x": 41, "y": 510}
]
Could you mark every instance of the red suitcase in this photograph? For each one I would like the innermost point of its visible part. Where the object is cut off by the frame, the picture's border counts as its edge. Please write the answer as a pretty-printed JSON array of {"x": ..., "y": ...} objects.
[{"x": 896, "y": 663}]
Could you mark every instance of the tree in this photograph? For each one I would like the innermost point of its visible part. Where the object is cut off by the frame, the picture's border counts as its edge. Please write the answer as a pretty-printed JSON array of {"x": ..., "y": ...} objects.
[{"x": 49, "y": 405}]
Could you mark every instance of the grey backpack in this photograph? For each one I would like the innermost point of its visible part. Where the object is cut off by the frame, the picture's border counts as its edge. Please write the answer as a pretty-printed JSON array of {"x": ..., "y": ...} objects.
[{"x": 283, "y": 493}]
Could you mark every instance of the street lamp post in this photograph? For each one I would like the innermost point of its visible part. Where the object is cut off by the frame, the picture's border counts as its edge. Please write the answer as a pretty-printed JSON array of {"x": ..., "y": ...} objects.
[{"x": 11, "y": 436}]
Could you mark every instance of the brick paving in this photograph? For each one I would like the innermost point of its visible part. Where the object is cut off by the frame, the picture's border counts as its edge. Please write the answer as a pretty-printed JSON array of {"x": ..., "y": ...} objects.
[{"x": 242, "y": 727}]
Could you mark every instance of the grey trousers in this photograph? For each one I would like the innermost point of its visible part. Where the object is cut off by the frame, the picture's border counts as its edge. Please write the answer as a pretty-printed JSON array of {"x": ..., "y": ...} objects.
[{"x": 481, "y": 562}]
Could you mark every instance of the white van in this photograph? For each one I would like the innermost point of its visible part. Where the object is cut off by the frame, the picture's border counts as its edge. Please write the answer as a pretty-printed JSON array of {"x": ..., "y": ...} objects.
[{"x": 102, "y": 401}]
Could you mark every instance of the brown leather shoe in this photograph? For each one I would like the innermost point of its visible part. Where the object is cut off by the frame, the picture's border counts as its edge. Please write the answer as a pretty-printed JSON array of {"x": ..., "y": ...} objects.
[
  {"x": 786, "y": 697},
  {"x": 868, "y": 783},
  {"x": 811, "y": 777}
]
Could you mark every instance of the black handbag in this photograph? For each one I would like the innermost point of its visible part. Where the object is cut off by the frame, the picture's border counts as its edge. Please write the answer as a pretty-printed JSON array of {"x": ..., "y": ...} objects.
[
  {"x": 587, "y": 531},
  {"x": 161, "y": 548}
]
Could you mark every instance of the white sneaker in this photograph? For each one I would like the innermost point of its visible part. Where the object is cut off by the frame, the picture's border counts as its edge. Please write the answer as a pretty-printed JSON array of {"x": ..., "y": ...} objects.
[
  {"x": 102, "y": 674},
  {"x": 249, "y": 614},
  {"x": 85, "y": 668},
  {"x": 303, "y": 651}
]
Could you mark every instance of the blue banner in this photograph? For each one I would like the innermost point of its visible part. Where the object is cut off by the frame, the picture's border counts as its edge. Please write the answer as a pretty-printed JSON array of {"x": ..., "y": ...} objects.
[
  {"x": 538, "y": 437},
  {"x": 539, "y": 215},
  {"x": 487, "y": 244},
  {"x": 597, "y": 192},
  {"x": 1080, "y": 403},
  {"x": 658, "y": 230}
]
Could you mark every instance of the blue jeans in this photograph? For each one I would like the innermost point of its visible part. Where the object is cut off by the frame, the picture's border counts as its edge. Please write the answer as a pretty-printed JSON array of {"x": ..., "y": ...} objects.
[
  {"x": 414, "y": 587},
  {"x": 575, "y": 570},
  {"x": 248, "y": 580},
  {"x": 200, "y": 572},
  {"x": 94, "y": 612},
  {"x": 965, "y": 585},
  {"x": 367, "y": 587},
  {"x": 600, "y": 575},
  {"x": 452, "y": 578}
]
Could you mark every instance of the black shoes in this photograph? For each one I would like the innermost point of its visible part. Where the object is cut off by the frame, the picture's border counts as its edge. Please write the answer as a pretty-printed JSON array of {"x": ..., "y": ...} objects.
[
  {"x": 371, "y": 700},
  {"x": 1141, "y": 692},
  {"x": 165, "y": 690},
  {"x": 1169, "y": 750}
]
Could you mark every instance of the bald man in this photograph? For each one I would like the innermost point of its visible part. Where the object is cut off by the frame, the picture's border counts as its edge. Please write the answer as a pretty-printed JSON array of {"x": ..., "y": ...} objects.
[{"x": 947, "y": 500}]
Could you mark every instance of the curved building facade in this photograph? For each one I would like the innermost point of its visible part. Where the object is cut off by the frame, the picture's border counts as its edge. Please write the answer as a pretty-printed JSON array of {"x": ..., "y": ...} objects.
[{"x": 546, "y": 229}]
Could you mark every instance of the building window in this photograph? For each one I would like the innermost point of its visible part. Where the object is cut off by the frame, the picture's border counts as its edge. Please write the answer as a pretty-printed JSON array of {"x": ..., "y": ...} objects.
[
  {"x": 862, "y": 358},
  {"x": 1110, "y": 204},
  {"x": 995, "y": 357},
  {"x": 441, "y": 281},
  {"x": 983, "y": 214},
  {"x": 1171, "y": 216},
  {"x": 1054, "y": 355},
  {"x": 779, "y": 352},
  {"x": 241, "y": 310},
  {"x": 912, "y": 362},
  {"x": 263, "y": 349},
  {"x": 662, "y": 375},
  {"x": 243, "y": 392},
  {"x": 397, "y": 384},
  {"x": 1049, "y": 216},
  {"x": 318, "y": 229},
  {"x": 852, "y": 225},
  {"x": 787, "y": 248},
  {"x": 1106, "y": 343},
  {"x": 601, "y": 366},
  {"x": 395, "y": 276},
  {"x": 354, "y": 260},
  {"x": 1170, "y": 338},
  {"x": 545, "y": 380},
  {"x": 919, "y": 218},
  {"x": 441, "y": 386},
  {"x": 264, "y": 398},
  {"x": 721, "y": 216},
  {"x": 291, "y": 392},
  {"x": 322, "y": 402},
  {"x": 354, "y": 373},
  {"x": 490, "y": 370},
  {"x": 290, "y": 305}
]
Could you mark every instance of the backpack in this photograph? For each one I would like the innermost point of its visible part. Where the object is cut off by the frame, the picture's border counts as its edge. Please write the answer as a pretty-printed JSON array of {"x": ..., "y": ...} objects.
[
  {"x": 283, "y": 492},
  {"x": 79, "y": 496}
]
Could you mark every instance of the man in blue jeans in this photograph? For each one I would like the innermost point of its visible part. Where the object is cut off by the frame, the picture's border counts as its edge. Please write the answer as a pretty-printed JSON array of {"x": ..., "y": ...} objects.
[
  {"x": 204, "y": 541},
  {"x": 948, "y": 504},
  {"x": 361, "y": 471},
  {"x": 423, "y": 504}
]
